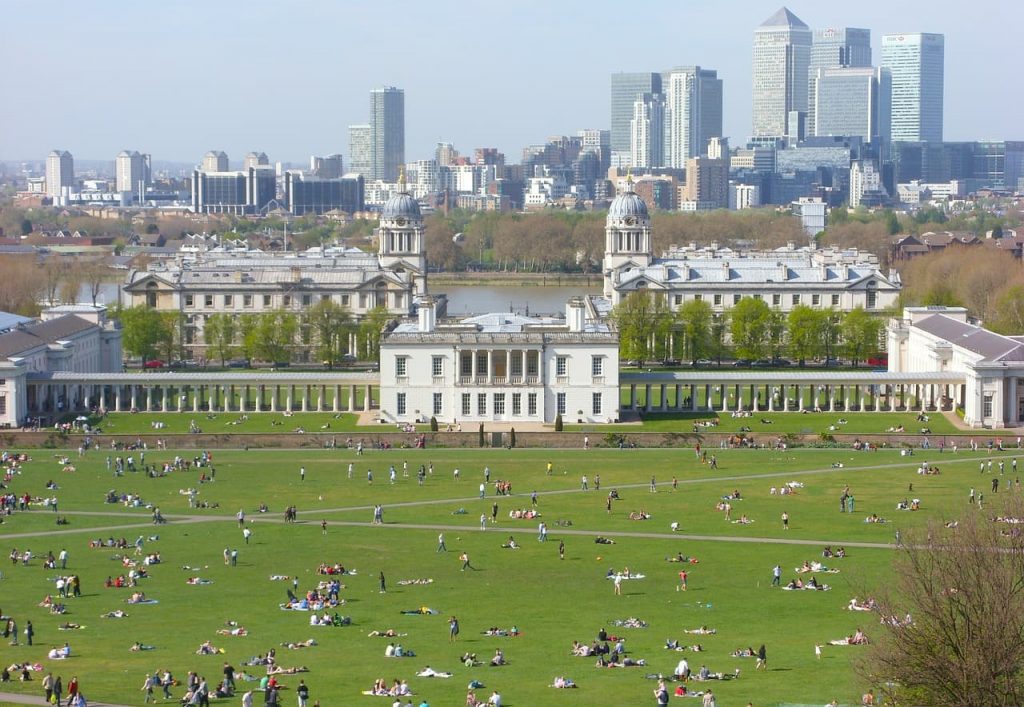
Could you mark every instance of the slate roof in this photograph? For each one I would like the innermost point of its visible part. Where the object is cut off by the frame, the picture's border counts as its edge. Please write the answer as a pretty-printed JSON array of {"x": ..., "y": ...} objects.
[
  {"x": 994, "y": 347},
  {"x": 40, "y": 334},
  {"x": 784, "y": 18}
]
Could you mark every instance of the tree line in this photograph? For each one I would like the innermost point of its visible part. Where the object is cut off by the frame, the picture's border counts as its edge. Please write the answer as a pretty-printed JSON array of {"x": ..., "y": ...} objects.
[
  {"x": 324, "y": 330},
  {"x": 649, "y": 330}
]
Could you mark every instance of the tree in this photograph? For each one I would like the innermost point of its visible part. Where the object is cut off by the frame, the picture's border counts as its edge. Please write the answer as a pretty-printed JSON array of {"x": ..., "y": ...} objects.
[
  {"x": 1008, "y": 311},
  {"x": 219, "y": 334},
  {"x": 142, "y": 331},
  {"x": 276, "y": 335},
  {"x": 860, "y": 334},
  {"x": 249, "y": 335},
  {"x": 26, "y": 227},
  {"x": 95, "y": 275},
  {"x": 695, "y": 320},
  {"x": 804, "y": 324},
  {"x": 639, "y": 317},
  {"x": 963, "y": 589},
  {"x": 331, "y": 323},
  {"x": 749, "y": 324},
  {"x": 370, "y": 332}
]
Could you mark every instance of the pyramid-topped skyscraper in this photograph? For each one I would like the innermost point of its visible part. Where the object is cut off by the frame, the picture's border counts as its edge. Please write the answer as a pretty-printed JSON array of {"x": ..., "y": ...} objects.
[{"x": 782, "y": 53}]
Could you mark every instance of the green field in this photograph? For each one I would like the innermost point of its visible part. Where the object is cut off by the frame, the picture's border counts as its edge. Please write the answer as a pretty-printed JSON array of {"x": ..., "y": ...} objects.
[{"x": 552, "y": 601}]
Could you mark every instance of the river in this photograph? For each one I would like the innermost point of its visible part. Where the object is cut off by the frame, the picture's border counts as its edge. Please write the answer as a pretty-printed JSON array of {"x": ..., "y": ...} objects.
[{"x": 468, "y": 300}]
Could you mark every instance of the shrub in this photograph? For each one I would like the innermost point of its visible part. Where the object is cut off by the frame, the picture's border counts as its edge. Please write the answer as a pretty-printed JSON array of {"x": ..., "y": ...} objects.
[
  {"x": 433, "y": 424},
  {"x": 481, "y": 432},
  {"x": 558, "y": 423}
]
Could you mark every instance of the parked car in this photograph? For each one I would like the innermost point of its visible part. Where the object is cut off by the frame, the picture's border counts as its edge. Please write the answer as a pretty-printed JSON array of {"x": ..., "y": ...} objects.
[
  {"x": 742, "y": 363},
  {"x": 155, "y": 363},
  {"x": 238, "y": 363},
  {"x": 781, "y": 362},
  {"x": 703, "y": 363}
]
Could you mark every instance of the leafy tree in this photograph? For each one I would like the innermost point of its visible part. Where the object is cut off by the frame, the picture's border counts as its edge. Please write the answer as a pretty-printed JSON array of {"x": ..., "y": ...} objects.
[
  {"x": 1008, "y": 312},
  {"x": 276, "y": 334},
  {"x": 170, "y": 334},
  {"x": 219, "y": 332},
  {"x": 861, "y": 332},
  {"x": 370, "y": 330},
  {"x": 695, "y": 320},
  {"x": 331, "y": 323},
  {"x": 639, "y": 318},
  {"x": 142, "y": 331},
  {"x": 963, "y": 591},
  {"x": 750, "y": 321},
  {"x": 26, "y": 227},
  {"x": 776, "y": 332},
  {"x": 249, "y": 335},
  {"x": 804, "y": 325}
]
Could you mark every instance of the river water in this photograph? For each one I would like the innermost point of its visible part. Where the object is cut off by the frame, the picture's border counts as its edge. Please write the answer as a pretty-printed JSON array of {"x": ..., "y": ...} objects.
[{"x": 469, "y": 300}]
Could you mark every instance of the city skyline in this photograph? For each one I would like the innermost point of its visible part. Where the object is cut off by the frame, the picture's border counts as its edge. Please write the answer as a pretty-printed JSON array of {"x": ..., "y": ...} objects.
[{"x": 454, "y": 95}]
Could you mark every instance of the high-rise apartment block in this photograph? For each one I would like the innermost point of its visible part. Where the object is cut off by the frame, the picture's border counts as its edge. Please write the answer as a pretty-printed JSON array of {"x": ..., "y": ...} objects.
[
  {"x": 916, "y": 62},
  {"x": 256, "y": 159},
  {"x": 132, "y": 172},
  {"x": 835, "y": 47},
  {"x": 215, "y": 161},
  {"x": 851, "y": 102},
  {"x": 387, "y": 132},
  {"x": 647, "y": 131},
  {"x": 782, "y": 53},
  {"x": 329, "y": 167},
  {"x": 693, "y": 112},
  {"x": 360, "y": 149},
  {"x": 625, "y": 89},
  {"x": 60, "y": 172}
]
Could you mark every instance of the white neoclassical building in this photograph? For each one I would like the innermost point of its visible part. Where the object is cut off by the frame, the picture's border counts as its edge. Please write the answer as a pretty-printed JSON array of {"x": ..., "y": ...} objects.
[
  {"x": 501, "y": 368},
  {"x": 841, "y": 280},
  {"x": 940, "y": 339}
]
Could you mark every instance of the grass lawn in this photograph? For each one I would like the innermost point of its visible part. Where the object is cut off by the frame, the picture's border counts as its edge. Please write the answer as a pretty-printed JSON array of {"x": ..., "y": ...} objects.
[
  {"x": 233, "y": 422},
  {"x": 552, "y": 601}
]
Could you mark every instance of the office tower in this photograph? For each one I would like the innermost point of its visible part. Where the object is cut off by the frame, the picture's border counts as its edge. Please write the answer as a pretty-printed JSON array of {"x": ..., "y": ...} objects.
[
  {"x": 131, "y": 172},
  {"x": 916, "y": 62},
  {"x": 305, "y": 193},
  {"x": 782, "y": 53},
  {"x": 625, "y": 88},
  {"x": 718, "y": 148},
  {"x": 707, "y": 184},
  {"x": 865, "y": 184},
  {"x": 330, "y": 167},
  {"x": 360, "y": 150},
  {"x": 593, "y": 138},
  {"x": 693, "y": 112},
  {"x": 387, "y": 132},
  {"x": 60, "y": 172},
  {"x": 852, "y": 101},
  {"x": 832, "y": 47},
  {"x": 214, "y": 161},
  {"x": 445, "y": 154},
  {"x": 241, "y": 192},
  {"x": 647, "y": 131},
  {"x": 256, "y": 159}
]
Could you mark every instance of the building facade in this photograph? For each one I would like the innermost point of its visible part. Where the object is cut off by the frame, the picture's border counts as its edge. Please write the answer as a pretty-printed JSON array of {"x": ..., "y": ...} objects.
[
  {"x": 387, "y": 132},
  {"x": 242, "y": 192},
  {"x": 835, "y": 47},
  {"x": 132, "y": 172},
  {"x": 501, "y": 368},
  {"x": 360, "y": 150},
  {"x": 693, "y": 112},
  {"x": 647, "y": 131},
  {"x": 782, "y": 54},
  {"x": 306, "y": 193},
  {"x": 625, "y": 88},
  {"x": 60, "y": 172},
  {"x": 917, "y": 65},
  {"x": 852, "y": 102}
]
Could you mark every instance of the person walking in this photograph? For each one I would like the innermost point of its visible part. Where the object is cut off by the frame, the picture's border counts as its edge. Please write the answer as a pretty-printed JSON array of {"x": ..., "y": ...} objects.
[
  {"x": 29, "y": 632},
  {"x": 48, "y": 686},
  {"x": 661, "y": 694},
  {"x": 147, "y": 687},
  {"x": 302, "y": 693},
  {"x": 618, "y": 584},
  {"x": 440, "y": 543},
  {"x": 72, "y": 689},
  {"x": 383, "y": 583},
  {"x": 323, "y": 527},
  {"x": 785, "y": 520},
  {"x": 58, "y": 689},
  {"x": 465, "y": 561},
  {"x": 682, "y": 581},
  {"x": 302, "y": 473},
  {"x": 542, "y": 532},
  {"x": 561, "y": 549},
  {"x": 776, "y": 575},
  {"x": 762, "y": 659},
  {"x": 63, "y": 556},
  {"x": 246, "y": 533},
  {"x": 453, "y": 629},
  {"x": 166, "y": 682},
  {"x": 584, "y": 482}
]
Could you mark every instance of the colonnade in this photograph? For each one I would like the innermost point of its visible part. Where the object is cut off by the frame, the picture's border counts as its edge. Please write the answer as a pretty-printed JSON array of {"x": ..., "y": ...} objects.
[{"x": 498, "y": 366}]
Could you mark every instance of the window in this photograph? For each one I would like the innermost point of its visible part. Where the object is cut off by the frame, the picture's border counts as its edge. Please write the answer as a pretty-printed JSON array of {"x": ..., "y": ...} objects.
[
  {"x": 560, "y": 403},
  {"x": 438, "y": 403},
  {"x": 678, "y": 299},
  {"x": 718, "y": 300},
  {"x": 531, "y": 404},
  {"x": 467, "y": 401},
  {"x": 207, "y": 300},
  {"x": 344, "y": 300},
  {"x": 481, "y": 404},
  {"x": 758, "y": 296},
  {"x": 561, "y": 365},
  {"x": 815, "y": 300},
  {"x": 499, "y": 403},
  {"x": 190, "y": 300},
  {"x": 400, "y": 366},
  {"x": 437, "y": 366},
  {"x": 247, "y": 300},
  {"x": 229, "y": 300},
  {"x": 517, "y": 403},
  {"x": 986, "y": 406},
  {"x": 481, "y": 363},
  {"x": 266, "y": 300},
  {"x": 362, "y": 300},
  {"x": 796, "y": 299},
  {"x": 597, "y": 403},
  {"x": 597, "y": 366},
  {"x": 3, "y": 404},
  {"x": 401, "y": 403},
  {"x": 467, "y": 366},
  {"x": 287, "y": 301},
  {"x": 307, "y": 300},
  {"x": 698, "y": 297},
  {"x": 736, "y": 299},
  {"x": 776, "y": 300},
  {"x": 517, "y": 364},
  {"x": 835, "y": 300}
]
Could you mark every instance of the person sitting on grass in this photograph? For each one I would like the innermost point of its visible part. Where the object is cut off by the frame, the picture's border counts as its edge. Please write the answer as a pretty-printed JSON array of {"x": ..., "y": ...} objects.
[
  {"x": 498, "y": 659},
  {"x": 511, "y": 544}
]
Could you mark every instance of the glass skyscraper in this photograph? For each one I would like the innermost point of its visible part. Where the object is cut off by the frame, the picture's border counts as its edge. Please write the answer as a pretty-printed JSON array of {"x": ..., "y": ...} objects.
[
  {"x": 851, "y": 101},
  {"x": 387, "y": 132},
  {"x": 916, "y": 62},
  {"x": 693, "y": 112},
  {"x": 831, "y": 47},
  {"x": 782, "y": 53},
  {"x": 626, "y": 87}
]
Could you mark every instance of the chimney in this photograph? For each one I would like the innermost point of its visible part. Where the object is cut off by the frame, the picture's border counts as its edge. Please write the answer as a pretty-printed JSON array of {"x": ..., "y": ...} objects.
[
  {"x": 296, "y": 273},
  {"x": 783, "y": 271},
  {"x": 427, "y": 315},
  {"x": 725, "y": 270},
  {"x": 575, "y": 314}
]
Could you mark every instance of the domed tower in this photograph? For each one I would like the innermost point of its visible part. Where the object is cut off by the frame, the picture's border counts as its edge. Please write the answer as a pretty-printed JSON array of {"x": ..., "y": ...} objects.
[
  {"x": 401, "y": 244},
  {"x": 627, "y": 236}
]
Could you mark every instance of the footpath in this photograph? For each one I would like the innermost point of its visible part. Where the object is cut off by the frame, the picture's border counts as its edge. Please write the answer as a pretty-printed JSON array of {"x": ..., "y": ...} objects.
[{"x": 10, "y": 698}]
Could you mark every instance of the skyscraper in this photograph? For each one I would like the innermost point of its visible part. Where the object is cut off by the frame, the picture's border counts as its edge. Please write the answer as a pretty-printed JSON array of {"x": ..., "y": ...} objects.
[
  {"x": 916, "y": 62},
  {"x": 130, "y": 169},
  {"x": 782, "y": 52},
  {"x": 625, "y": 88},
  {"x": 215, "y": 161},
  {"x": 387, "y": 132},
  {"x": 60, "y": 172},
  {"x": 693, "y": 112},
  {"x": 831, "y": 47},
  {"x": 647, "y": 143},
  {"x": 360, "y": 150},
  {"x": 851, "y": 101}
]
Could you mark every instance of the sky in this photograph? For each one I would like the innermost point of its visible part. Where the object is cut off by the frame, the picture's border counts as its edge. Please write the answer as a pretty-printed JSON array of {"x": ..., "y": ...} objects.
[{"x": 178, "y": 78}]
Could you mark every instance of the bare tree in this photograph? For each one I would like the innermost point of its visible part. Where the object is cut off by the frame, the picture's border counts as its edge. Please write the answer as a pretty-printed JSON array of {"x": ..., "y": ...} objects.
[{"x": 953, "y": 618}]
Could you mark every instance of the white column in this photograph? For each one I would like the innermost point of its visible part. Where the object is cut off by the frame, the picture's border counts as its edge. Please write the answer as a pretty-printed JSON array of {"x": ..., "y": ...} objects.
[
  {"x": 274, "y": 394},
  {"x": 473, "y": 365},
  {"x": 632, "y": 396},
  {"x": 647, "y": 397},
  {"x": 725, "y": 397},
  {"x": 337, "y": 398},
  {"x": 490, "y": 366},
  {"x": 664, "y": 398},
  {"x": 368, "y": 400},
  {"x": 800, "y": 398},
  {"x": 771, "y": 398},
  {"x": 166, "y": 397},
  {"x": 320, "y": 398},
  {"x": 352, "y": 398},
  {"x": 679, "y": 397},
  {"x": 290, "y": 397}
]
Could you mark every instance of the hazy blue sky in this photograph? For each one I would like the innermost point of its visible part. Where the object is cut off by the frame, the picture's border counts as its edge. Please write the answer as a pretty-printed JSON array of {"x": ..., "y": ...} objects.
[{"x": 179, "y": 77}]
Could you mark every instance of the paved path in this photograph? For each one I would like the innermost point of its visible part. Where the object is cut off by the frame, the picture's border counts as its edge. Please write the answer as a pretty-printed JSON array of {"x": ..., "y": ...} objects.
[{"x": 7, "y": 698}]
